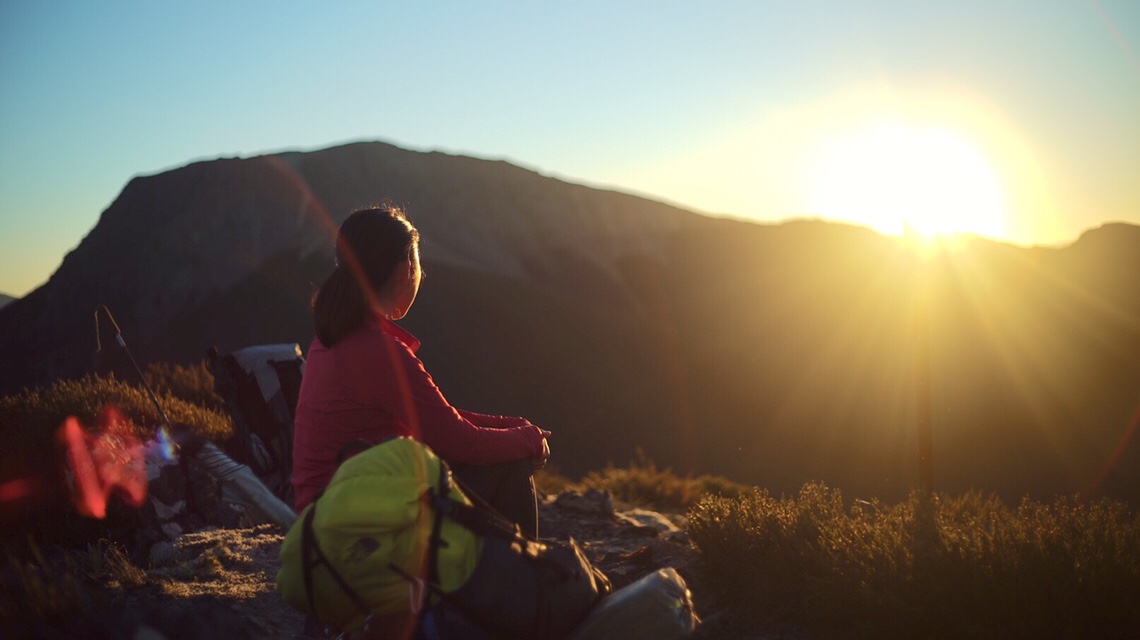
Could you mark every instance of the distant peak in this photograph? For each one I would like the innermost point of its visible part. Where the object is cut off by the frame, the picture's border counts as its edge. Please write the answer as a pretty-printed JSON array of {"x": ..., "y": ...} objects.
[{"x": 1111, "y": 232}]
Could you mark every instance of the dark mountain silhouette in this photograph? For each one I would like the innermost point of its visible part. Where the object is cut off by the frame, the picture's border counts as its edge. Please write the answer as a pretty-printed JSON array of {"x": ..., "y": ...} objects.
[
  {"x": 775, "y": 354},
  {"x": 4, "y": 300}
]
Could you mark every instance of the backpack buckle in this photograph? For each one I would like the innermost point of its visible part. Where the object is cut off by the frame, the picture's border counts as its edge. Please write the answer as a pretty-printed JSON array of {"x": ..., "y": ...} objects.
[{"x": 416, "y": 592}]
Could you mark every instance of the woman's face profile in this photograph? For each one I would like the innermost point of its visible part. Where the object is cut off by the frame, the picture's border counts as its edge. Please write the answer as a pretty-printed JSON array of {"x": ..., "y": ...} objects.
[{"x": 408, "y": 281}]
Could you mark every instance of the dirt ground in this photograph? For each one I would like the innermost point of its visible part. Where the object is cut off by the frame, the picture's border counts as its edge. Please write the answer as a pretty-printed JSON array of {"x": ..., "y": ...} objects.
[{"x": 221, "y": 582}]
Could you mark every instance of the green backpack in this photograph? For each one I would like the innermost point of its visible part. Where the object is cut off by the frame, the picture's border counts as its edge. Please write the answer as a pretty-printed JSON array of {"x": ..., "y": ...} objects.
[{"x": 392, "y": 534}]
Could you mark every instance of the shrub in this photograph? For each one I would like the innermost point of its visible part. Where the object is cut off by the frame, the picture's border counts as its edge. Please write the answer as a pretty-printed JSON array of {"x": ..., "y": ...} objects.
[
  {"x": 931, "y": 566},
  {"x": 43, "y": 410},
  {"x": 194, "y": 384},
  {"x": 39, "y": 587},
  {"x": 550, "y": 480},
  {"x": 46, "y": 589},
  {"x": 643, "y": 484}
]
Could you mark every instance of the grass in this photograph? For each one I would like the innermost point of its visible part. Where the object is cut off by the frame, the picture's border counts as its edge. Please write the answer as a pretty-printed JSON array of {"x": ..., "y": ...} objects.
[
  {"x": 644, "y": 485},
  {"x": 42, "y": 588},
  {"x": 30, "y": 418},
  {"x": 193, "y": 384},
  {"x": 930, "y": 567},
  {"x": 30, "y": 457}
]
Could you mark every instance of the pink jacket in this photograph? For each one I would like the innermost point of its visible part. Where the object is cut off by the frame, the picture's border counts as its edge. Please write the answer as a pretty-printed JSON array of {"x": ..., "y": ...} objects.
[{"x": 370, "y": 386}]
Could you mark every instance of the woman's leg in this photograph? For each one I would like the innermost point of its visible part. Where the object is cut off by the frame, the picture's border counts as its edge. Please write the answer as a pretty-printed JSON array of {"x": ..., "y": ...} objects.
[{"x": 508, "y": 487}]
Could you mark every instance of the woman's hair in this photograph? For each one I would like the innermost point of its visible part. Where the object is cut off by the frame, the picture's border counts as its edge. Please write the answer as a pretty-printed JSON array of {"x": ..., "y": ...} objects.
[{"x": 369, "y": 246}]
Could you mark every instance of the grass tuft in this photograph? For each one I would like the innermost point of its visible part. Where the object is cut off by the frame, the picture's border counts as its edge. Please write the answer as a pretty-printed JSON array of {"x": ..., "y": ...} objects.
[
  {"x": 931, "y": 566},
  {"x": 644, "y": 485},
  {"x": 45, "y": 587},
  {"x": 551, "y": 481},
  {"x": 31, "y": 417},
  {"x": 194, "y": 384}
]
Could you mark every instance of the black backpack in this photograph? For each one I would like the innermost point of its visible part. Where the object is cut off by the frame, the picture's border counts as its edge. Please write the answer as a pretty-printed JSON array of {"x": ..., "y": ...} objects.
[
  {"x": 521, "y": 589},
  {"x": 260, "y": 385}
]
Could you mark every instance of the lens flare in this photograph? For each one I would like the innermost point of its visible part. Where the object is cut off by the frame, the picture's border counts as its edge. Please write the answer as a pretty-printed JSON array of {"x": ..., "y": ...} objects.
[
  {"x": 18, "y": 489},
  {"x": 112, "y": 460},
  {"x": 164, "y": 445}
]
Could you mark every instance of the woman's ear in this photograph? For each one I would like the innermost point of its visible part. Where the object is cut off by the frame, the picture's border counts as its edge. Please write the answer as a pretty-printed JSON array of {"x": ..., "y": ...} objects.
[
  {"x": 403, "y": 278},
  {"x": 400, "y": 276}
]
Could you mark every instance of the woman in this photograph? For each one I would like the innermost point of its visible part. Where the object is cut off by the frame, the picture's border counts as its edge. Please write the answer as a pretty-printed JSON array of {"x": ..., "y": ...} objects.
[{"x": 363, "y": 381}]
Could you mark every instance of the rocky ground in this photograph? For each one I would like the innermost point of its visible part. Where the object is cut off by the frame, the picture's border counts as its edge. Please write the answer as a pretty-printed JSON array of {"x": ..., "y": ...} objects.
[{"x": 219, "y": 582}]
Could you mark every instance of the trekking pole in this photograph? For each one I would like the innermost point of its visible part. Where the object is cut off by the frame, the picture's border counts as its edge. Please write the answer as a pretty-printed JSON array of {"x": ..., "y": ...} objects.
[
  {"x": 164, "y": 429},
  {"x": 245, "y": 488}
]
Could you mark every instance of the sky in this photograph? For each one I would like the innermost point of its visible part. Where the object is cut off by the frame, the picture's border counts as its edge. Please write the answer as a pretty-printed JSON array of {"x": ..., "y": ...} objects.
[{"x": 1013, "y": 119}]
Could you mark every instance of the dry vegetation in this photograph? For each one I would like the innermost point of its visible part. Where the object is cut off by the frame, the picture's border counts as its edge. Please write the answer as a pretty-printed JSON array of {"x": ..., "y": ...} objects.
[
  {"x": 931, "y": 566},
  {"x": 217, "y": 577},
  {"x": 643, "y": 484},
  {"x": 31, "y": 417}
]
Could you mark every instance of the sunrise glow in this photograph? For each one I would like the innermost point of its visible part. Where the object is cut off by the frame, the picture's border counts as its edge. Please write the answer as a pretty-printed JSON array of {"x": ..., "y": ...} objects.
[{"x": 891, "y": 175}]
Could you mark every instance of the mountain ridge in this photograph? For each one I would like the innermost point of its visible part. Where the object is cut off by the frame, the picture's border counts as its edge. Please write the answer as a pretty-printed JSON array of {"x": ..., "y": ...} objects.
[{"x": 772, "y": 353}]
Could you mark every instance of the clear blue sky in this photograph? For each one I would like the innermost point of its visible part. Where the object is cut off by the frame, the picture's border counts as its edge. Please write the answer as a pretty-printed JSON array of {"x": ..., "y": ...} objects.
[{"x": 723, "y": 107}]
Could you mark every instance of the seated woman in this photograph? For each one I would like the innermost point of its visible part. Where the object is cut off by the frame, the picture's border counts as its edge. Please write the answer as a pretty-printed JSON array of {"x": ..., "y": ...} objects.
[{"x": 363, "y": 381}]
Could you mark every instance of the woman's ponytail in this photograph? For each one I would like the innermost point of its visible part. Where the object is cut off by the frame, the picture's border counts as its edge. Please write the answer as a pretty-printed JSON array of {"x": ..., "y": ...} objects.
[
  {"x": 369, "y": 245},
  {"x": 339, "y": 306}
]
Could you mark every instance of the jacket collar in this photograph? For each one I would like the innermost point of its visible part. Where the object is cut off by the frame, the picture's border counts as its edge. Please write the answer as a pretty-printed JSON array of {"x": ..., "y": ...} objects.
[{"x": 398, "y": 332}]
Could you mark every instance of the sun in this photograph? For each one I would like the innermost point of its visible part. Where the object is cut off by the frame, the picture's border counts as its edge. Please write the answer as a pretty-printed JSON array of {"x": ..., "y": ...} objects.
[{"x": 891, "y": 175}]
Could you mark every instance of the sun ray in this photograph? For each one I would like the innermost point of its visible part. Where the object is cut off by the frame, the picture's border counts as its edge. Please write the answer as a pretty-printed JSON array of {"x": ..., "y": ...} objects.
[{"x": 1037, "y": 358}]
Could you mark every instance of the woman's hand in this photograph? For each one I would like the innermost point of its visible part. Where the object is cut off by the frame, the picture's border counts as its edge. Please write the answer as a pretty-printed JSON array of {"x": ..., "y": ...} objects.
[{"x": 539, "y": 461}]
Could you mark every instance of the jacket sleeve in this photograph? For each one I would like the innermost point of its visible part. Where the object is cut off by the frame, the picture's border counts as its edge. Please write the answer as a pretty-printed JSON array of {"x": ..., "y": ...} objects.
[
  {"x": 493, "y": 422},
  {"x": 399, "y": 383}
]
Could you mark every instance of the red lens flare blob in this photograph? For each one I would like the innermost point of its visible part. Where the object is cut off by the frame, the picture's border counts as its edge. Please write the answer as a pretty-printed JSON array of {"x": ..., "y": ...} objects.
[
  {"x": 99, "y": 464},
  {"x": 18, "y": 489}
]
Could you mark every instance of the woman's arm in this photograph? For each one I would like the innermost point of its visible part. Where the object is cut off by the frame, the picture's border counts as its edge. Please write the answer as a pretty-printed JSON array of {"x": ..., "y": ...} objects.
[
  {"x": 492, "y": 422},
  {"x": 398, "y": 382}
]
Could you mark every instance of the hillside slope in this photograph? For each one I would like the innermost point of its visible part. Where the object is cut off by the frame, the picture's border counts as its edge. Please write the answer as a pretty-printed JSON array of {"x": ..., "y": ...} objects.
[{"x": 774, "y": 354}]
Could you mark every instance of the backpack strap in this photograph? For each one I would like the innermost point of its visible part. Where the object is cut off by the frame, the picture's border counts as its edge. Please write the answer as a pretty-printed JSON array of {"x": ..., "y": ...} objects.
[
  {"x": 435, "y": 541},
  {"x": 351, "y": 448},
  {"x": 481, "y": 518},
  {"x": 307, "y": 542},
  {"x": 311, "y": 556}
]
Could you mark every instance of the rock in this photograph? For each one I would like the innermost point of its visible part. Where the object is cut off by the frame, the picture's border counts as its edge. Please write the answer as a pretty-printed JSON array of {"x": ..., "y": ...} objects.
[
  {"x": 593, "y": 501},
  {"x": 165, "y": 512},
  {"x": 150, "y": 615},
  {"x": 633, "y": 530},
  {"x": 145, "y": 632},
  {"x": 645, "y": 518},
  {"x": 162, "y": 554},
  {"x": 183, "y": 497},
  {"x": 625, "y": 545}
]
